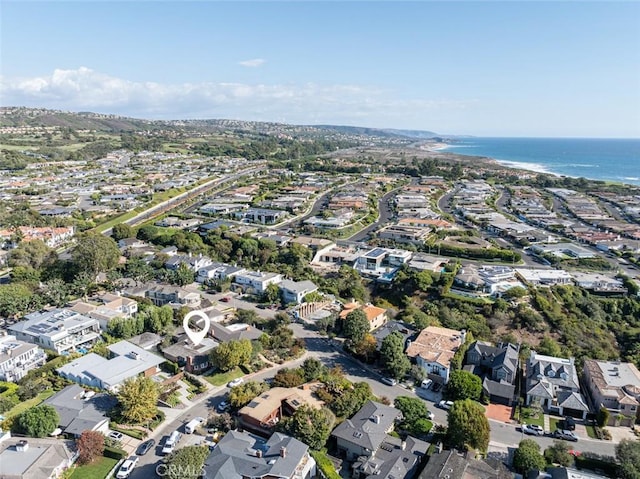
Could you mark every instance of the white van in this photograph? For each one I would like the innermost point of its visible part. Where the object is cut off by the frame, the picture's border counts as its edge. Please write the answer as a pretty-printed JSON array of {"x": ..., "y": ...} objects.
[
  {"x": 191, "y": 426},
  {"x": 171, "y": 442},
  {"x": 426, "y": 384}
]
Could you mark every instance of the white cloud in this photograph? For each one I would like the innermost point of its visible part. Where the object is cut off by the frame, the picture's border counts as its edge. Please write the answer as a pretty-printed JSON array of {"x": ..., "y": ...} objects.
[
  {"x": 256, "y": 62},
  {"x": 84, "y": 89}
]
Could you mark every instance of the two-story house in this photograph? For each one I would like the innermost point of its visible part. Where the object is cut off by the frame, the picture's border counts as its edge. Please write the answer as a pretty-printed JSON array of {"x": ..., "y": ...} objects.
[
  {"x": 616, "y": 386},
  {"x": 376, "y": 316},
  {"x": 17, "y": 358},
  {"x": 256, "y": 281},
  {"x": 243, "y": 455},
  {"x": 497, "y": 366},
  {"x": 59, "y": 329},
  {"x": 173, "y": 296},
  {"x": 434, "y": 349},
  {"x": 295, "y": 291},
  {"x": 553, "y": 383}
]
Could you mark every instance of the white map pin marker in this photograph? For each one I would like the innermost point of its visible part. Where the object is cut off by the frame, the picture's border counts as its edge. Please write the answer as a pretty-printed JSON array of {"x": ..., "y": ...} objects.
[{"x": 196, "y": 337}]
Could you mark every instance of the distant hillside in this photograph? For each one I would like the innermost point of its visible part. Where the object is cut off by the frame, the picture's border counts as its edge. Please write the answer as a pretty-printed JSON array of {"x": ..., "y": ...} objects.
[
  {"x": 22, "y": 116},
  {"x": 383, "y": 132}
]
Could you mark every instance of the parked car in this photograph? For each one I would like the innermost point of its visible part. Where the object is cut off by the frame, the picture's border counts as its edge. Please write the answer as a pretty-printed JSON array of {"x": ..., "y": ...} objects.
[
  {"x": 226, "y": 299},
  {"x": 389, "y": 381},
  {"x": 565, "y": 434},
  {"x": 145, "y": 447},
  {"x": 532, "y": 430},
  {"x": 235, "y": 382},
  {"x": 445, "y": 404},
  {"x": 436, "y": 387},
  {"x": 430, "y": 415},
  {"x": 170, "y": 442},
  {"x": 224, "y": 406},
  {"x": 567, "y": 423},
  {"x": 127, "y": 467},
  {"x": 115, "y": 435}
]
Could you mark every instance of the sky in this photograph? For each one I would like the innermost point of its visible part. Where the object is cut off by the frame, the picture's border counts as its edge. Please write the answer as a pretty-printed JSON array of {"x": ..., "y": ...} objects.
[{"x": 508, "y": 68}]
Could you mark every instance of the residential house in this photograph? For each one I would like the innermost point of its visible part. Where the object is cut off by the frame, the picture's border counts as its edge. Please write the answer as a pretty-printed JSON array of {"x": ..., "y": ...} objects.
[
  {"x": 406, "y": 331},
  {"x": 452, "y": 464},
  {"x": 52, "y": 237},
  {"x": 616, "y": 386},
  {"x": 218, "y": 271},
  {"x": 255, "y": 281},
  {"x": 106, "y": 308},
  {"x": 60, "y": 330},
  {"x": 265, "y": 411},
  {"x": 174, "y": 296},
  {"x": 125, "y": 361},
  {"x": 498, "y": 368},
  {"x": 543, "y": 277},
  {"x": 240, "y": 455},
  {"x": 376, "y": 316},
  {"x": 295, "y": 291},
  {"x": 394, "y": 459},
  {"x": 195, "y": 359},
  {"x": 233, "y": 332},
  {"x": 194, "y": 263},
  {"x": 17, "y": 358},
  {"x": 44, "y": 458},
  {"x": 405, "y": 234},
  {"x": 564, "y": 473},
  {"x": 382, "y": 262},
  {"x": 553, "y": 383},
  {"x": 434, "y": 349},
  {"x": 364, "y": 433},
  {"x": 260, "y": 215},
  {"x": 79, "y": 412}
]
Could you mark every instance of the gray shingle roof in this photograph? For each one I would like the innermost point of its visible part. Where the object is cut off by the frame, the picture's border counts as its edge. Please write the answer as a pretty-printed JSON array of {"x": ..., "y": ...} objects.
[{"x": 364, "y": 429}]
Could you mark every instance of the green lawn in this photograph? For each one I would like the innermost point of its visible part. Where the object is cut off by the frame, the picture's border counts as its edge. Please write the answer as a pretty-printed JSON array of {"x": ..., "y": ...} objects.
[
  {"x": 537, "y": 420},
  {"x": 97, "y": 470},
  {"x": 223, "y": 378},
  {"x": 23, "y": 406},
  {"x": 591, "y": 431},
  {"x": 553, "y": 423}
]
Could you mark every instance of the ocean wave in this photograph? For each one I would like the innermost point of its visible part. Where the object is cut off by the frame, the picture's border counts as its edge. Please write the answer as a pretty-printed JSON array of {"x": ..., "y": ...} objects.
[
  {"x": 631, "y": 178},
  {"x": 521, "y": 165},
  {"x": 580, "y": 165}
]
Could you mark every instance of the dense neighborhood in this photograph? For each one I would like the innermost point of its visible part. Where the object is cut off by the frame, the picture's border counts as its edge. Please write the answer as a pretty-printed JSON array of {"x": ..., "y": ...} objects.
[{"x": 371, "y": 310}]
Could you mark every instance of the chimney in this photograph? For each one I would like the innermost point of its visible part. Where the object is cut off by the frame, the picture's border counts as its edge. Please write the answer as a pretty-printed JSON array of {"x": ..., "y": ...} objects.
[
  {"x": 283, "y": 452},
  {"x": 259, "y": 453},
  {"x": 404, "y": 445},
  {"x": 22, "y": 446},
  {"x": 376, "y": 419}
]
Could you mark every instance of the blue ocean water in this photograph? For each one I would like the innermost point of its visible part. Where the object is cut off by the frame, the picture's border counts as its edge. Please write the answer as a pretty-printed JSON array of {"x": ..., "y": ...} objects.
[{"x": 598, "y": 159}]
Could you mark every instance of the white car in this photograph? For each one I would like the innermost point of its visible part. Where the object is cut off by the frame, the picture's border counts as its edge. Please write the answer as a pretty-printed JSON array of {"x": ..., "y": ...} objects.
[
  {"x": 445, "y": 404},
  {"x": 235, "y": 382},
  {"x": 566, "y": 435},
  {"x": 115, "y": 435},
  {"x": 532, "y": 430},
  {"x": 430, "y": 415},
  {"x": 127, "y": 467}
]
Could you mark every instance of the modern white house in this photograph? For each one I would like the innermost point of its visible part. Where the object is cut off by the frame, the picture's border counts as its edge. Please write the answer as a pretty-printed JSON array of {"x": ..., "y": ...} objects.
[
  {"x": 295, "y": 291},
  {"x": 17, "y": 358},
  {"x": 126, "y": 361},
  {"x": 256, "y": 281},
  {"x": 61, "y": 330}
]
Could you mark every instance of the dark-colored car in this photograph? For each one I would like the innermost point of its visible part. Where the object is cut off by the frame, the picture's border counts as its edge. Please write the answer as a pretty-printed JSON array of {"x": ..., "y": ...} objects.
[
  {"x": 568, "y": 423},
  {"x": 145, "y": 447}
]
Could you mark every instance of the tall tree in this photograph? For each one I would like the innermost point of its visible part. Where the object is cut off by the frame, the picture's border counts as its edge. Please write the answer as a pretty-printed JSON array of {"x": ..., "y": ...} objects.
[
  {"x": 90, "y": 446},
  {"x": 138, "y": 398},
  {"x": 468, "y": 426},
  {"x": 464, "y": 385},
  {"x": 17, "y": 299},
  {"x": 527, "y": 457},
  {"x": 356, "y": 326},
  {"x": 231, "y": 354},
  {"x": 95, "y": 253},
  {"x": 393, "y": 357},
  {"x": 32, "y": 254},
  {"x": 38, "y": 421},
  {"x": 628, "y": 455},
  {"x": 185, "y": 463},
  {"x": 122, "y": 231},
  {"x": 241, "y": 395},
  {"x": 309, "y": 425}
]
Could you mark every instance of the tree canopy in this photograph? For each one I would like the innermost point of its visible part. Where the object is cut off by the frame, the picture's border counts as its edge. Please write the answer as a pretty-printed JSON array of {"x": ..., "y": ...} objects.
[
  {"x": 185, "y": 463},
  {"x": 628, "y": 455},
  {"x": 356, "y": 326},
  {"x": 231, "y": 354},
  {"x": 468, "y": 426},
  {"x": 464, "y": 385},
  {"x": 309, "y": 425},
  {"x": 393, "y": 357},
  {"x": 38, "y": 421},
  {"x": 90, "y": 446},
  {"x": 95, "y": 253},
  {"x": 527, "y": 457},
  {"x": 241, "y": 395},
  {"x": 138, "y": 399}
]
